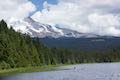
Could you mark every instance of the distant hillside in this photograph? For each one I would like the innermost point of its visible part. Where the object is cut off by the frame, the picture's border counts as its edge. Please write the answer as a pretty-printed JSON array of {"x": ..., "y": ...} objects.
[{"x": 83, "y": 44}]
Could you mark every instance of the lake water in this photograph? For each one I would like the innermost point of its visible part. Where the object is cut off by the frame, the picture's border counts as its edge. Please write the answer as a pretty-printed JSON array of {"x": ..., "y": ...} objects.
[{"x": 103, "y": 71}]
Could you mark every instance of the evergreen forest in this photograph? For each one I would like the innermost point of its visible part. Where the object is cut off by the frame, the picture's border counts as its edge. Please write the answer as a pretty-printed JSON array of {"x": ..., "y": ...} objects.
[{"x": 20, "y": 50}]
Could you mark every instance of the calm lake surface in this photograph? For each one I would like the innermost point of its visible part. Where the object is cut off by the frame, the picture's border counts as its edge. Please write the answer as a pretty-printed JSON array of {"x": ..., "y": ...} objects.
[{"x": 103, "y": 71}]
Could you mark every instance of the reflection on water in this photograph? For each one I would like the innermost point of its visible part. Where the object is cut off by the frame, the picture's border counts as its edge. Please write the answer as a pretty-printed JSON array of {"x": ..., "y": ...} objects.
[{"x": 109, "y": 71}]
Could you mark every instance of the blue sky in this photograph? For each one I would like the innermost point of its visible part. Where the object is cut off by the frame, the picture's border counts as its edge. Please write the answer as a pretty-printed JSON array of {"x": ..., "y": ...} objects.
[{"x": 39, "y": 3}]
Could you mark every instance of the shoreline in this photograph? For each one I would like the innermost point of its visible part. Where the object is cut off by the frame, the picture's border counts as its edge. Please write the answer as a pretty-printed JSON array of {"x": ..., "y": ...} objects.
[
  {"x": 7, "y": 72},
  {"x": 13, "y": 71}
]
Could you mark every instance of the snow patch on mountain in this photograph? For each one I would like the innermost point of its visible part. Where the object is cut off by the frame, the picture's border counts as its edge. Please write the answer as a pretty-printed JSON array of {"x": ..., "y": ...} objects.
[{"x": 36, "y": 29}]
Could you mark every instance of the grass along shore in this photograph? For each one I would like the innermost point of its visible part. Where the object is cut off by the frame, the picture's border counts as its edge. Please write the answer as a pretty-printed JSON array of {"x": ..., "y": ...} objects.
[{"x": 6, "y": 72}]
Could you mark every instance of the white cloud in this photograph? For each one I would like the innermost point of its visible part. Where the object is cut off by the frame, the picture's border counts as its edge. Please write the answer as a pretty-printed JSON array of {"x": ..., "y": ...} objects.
[
  {"x": 88, "y": 16},
  {"x": 104, "y": 24},
  {"x": 17, "y": 9}
]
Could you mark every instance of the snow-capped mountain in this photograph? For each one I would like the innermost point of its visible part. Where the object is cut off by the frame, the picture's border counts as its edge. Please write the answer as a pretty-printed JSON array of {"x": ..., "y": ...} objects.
[{"x": 36, "y": 29}]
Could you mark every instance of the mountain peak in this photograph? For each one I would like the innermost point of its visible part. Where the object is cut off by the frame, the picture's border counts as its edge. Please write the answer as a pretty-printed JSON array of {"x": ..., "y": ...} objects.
[
  {"x": 36, "y": 29},
  {"x": 29, "y": 19}
]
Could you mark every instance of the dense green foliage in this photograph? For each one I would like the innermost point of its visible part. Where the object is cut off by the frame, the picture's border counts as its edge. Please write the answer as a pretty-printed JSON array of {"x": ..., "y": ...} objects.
[{"x": 19, "y": 50}]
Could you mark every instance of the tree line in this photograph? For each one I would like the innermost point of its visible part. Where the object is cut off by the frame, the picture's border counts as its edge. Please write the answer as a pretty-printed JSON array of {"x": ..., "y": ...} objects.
[{"x": 20, "y": 50}]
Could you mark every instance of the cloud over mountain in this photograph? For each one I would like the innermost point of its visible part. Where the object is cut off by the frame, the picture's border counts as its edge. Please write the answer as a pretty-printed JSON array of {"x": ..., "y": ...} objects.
[
  {"x": 100, "y": 17},
  {"x": 88, "y": 16},
  {"x": 17, "y": 9}
]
